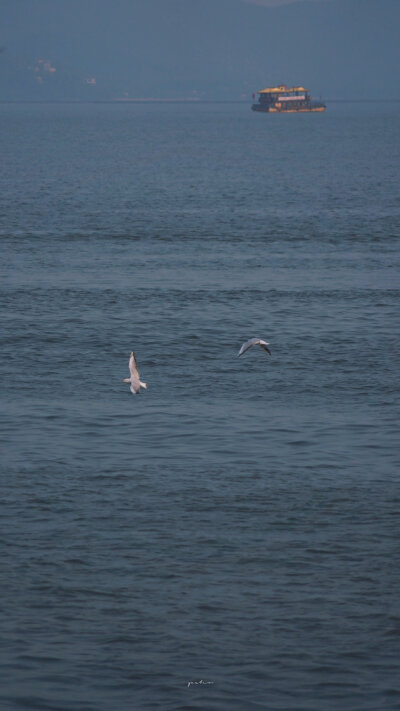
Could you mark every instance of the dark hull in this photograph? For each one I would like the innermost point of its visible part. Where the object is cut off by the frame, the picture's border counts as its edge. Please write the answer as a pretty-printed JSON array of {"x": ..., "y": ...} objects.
[{"x": 304, "y": 107}]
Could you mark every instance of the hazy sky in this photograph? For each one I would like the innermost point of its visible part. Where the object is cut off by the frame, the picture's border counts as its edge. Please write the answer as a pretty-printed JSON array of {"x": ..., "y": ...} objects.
[
  {"x": 205, "y": 49},
  {"x": 274, "y": 3}
]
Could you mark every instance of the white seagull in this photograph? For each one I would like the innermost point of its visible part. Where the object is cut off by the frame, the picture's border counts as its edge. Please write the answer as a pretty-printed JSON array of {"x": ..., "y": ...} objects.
[
  {"x": 134, "y": 380},
  {"x": 254, "y": 342}
]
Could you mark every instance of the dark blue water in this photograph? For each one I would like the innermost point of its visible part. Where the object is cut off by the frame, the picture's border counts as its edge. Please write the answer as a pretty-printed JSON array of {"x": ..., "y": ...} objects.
[{"x": 237, "y": 524}]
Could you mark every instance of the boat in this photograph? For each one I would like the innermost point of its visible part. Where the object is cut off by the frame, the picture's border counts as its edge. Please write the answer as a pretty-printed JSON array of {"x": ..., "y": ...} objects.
[{"x": 286, "y": 100}]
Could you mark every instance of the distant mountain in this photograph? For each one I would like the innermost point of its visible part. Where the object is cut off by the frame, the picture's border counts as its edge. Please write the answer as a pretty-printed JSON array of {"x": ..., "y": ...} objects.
[{"x": 209, "y": 49}]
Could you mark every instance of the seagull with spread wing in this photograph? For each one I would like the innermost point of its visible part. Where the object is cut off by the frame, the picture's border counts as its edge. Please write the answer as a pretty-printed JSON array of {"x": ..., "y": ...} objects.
[
  {"x": 254, "y": 342},
  {"x": 134, "y": 380}
]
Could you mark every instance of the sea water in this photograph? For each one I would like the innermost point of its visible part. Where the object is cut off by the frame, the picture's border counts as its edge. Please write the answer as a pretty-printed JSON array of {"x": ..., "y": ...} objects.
[{"x": 229, "y": 538}]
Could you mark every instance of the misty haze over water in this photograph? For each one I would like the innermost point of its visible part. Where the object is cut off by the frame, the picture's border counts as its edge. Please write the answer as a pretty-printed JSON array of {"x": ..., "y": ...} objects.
[{"x": 197, "y": 49}]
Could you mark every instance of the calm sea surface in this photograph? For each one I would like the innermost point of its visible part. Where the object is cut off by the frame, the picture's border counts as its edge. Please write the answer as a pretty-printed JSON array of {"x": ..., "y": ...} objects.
[{"x": 237, "y": 524}]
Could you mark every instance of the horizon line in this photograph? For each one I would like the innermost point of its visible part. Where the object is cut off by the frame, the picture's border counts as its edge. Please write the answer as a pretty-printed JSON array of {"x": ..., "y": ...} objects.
[{"x": 188, "y": 100}]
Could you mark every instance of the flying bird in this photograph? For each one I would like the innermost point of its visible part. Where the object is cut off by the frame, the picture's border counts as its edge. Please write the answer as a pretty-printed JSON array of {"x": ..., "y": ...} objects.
[
  {"x": 254, "y": 342},
  {"x": 134, "y": 380}
]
